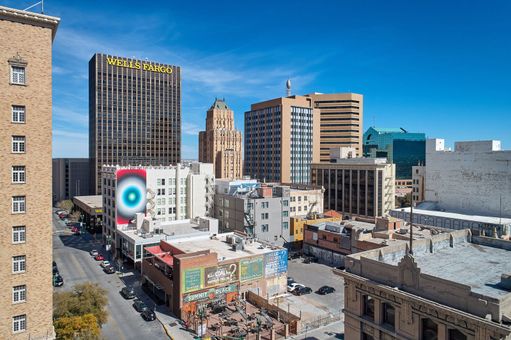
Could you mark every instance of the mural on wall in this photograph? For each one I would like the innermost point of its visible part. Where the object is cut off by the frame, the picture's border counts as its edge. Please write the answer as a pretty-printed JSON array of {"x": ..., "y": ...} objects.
[
  {"x": 130, "y": 195},
  {"x": 220, "y": 274},
  {"x": 210, "y": 294},
  {"x": 275, "y": 263},
  {"x": 251, "y": 269},
  {"x": 192, "y": 279}
]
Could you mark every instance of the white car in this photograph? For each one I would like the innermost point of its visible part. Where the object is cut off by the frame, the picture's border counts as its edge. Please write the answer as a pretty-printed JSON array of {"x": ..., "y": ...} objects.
[
  {"x": 93, "y": 252},
  {"x": 293, "y": 286},
  {"x": 105, "y": 264}
]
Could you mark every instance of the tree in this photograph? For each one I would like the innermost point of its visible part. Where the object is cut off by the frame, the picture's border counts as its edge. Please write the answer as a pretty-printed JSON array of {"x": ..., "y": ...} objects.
[
  {"x": 72, "y": 309},
  {"x": 66, "y": 205},
  {"x": 83, "y": 327}
]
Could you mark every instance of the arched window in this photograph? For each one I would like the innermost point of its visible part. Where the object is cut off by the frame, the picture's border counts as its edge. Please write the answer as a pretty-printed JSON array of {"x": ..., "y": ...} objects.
[{"x": 429, "y": 330}]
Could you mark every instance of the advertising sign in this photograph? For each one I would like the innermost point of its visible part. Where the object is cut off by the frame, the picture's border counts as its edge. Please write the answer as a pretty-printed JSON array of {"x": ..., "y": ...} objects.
[
  {"x": 192, "y": 279},
  {"x": 251, "y": 269},
  {"x": 130, "y": 194},
  {"x": 214, "y": 276},
  {"x": 210, "y": 294},
  {"x": 275, "y": 263}
]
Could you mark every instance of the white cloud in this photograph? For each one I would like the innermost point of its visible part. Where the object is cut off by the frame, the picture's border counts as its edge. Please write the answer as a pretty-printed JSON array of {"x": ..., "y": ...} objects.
[
  {"x": 68, "y": 116},
  {"x": 190, "y": 128}
]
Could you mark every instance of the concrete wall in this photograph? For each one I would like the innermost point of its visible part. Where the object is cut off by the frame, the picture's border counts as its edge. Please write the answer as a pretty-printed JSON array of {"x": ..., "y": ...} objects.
[{"x": 471, "y": 179}]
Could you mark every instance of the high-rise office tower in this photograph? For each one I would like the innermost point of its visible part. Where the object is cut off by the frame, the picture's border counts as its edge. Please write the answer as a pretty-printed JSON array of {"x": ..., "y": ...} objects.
[
  {"x": 281, "y": 140},
  {"x": 220, "y": 144},
  {"x": 341, "y": 121},
  {"x": 25, "y": 177},
  {"x": 134, "y": 113}
]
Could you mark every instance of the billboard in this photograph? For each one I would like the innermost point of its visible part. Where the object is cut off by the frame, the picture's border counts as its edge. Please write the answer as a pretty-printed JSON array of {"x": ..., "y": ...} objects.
[
  {"x": 220, "y": 274},
  {"x": 210, "y": 294},
  {"x": 130, "y": 194},
  {"x": 192, "y": 279},
  {"x": 275, "y": 263},
  {"x": 251, "y": 269}
]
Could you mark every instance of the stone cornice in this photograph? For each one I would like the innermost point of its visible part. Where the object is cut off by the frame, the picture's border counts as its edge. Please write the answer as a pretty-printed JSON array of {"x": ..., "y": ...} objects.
[{"x": 30, "y": 18}]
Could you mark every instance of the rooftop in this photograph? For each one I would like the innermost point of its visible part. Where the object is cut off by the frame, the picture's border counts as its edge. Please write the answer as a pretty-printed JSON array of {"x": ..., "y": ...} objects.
[
  {"x": 170, "y": 230},
  {"x": 338, "y": 227},
  {"x": 220, "y": 104},
  {"x": 94, "y": 201},
  {"x": 457, "y": 216},
  {"x": 482, "y": 273},
  {"x": 219, "y": 245},
  {"x": 31, "y": 18}
]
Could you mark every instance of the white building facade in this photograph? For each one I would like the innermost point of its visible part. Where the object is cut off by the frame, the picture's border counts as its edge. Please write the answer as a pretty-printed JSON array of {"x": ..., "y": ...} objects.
[
  {"x": 305, "y": 199},
  {"x": 161, "y": 193},
  {"x": 475, "y": 178}
]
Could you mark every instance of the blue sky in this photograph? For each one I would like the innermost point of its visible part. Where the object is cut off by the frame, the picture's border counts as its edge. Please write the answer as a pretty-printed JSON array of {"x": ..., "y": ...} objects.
[{"x": 437, "y": 67}]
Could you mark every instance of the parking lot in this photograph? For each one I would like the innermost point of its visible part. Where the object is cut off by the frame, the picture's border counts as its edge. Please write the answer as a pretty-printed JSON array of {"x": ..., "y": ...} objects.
[{"x": 313, "y": 306}]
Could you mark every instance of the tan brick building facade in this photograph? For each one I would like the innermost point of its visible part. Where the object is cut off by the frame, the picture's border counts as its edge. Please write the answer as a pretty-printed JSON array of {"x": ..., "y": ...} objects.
[
  {"x": 220, "y": 144},
  {"x": 25, "y": 176}
]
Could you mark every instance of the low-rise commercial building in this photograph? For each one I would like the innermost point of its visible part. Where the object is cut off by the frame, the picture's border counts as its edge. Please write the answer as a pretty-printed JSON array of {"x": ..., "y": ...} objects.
[
  {"x": 298, "y": 225},
  {"x": 491, "y": 226},
  {"x": 196, "y": 271},
  {"x": 305, "y": 200},
  {"x": 91, "y": 211},
  {"x": 258, "y": 209},
  {"x": 432, "y": 294},
  {"x": 356, "y": 186},
  {"x": 163, "y": 193}
]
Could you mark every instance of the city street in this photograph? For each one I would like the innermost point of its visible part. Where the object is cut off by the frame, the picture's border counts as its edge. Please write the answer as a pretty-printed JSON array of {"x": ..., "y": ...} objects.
[{"x": 70, "y": 252}]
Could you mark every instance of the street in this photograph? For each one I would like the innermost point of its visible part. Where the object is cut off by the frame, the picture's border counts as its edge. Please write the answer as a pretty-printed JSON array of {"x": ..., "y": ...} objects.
[{"x": 71, "y": 253}]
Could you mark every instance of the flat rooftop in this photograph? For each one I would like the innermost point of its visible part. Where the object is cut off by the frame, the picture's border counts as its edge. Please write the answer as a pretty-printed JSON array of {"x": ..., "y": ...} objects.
[
  {"x": 331, "y": 226},
  {"x": 477, "y": 266},
  {"x": 171, "y": 230},
  {"x": 220, "y": 246},
  {"x": 94, "y": 201},
  {"x": 457, "y": 216}
]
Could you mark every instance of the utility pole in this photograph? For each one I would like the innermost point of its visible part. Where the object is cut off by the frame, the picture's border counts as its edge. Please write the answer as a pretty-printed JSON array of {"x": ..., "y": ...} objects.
[{"x": 410, "y": 251}]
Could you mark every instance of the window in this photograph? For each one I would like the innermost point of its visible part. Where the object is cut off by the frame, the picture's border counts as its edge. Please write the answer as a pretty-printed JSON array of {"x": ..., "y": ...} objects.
[
  {"x": 368, "y": 306},
  {"x": 19, "y": 323},
  {"x": 455, "y": 334},
  {"x": 19, "y": 294},
  {"x": 18, "y": 144},
  {"x": 265, "y": 204},
  {"x": 285, "y": 213},
  {"x": 18, "y": 114},
  {"x": 305, "y": 198},
  {"x": 285, "y": 225},
  {"x": 299, "y": 198},
  {"x": 366, "y": 336},
  {"x": 389, "y": 314},
  {"x": 18, "y": 75},
  {"x": 18, "y": 264},
  {"x": 18, "y": 204},
  {"x": 18, "y": 234},
  {"x": 18, "y": 174},
  {"x": 264, "y": 216},
  {"x": 429, "y": 330},
  {"x": 264, "y": 227},
  {"x": 285, "y": 203}
]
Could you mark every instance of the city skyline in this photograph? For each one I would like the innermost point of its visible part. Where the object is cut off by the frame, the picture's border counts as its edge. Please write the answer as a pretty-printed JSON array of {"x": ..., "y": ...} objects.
[{"x": 410, "y": 61}]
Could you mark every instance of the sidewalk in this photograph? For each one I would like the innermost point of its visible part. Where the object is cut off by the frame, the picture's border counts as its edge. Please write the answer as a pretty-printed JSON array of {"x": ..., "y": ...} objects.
[
  {"x": 172, "y": 326},
  {"x": 333, "y": 331}
]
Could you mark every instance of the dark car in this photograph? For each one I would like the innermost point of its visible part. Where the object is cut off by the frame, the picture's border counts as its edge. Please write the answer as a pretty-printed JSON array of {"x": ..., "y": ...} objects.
[
  {"x": 310, "y": 259},
  {"x": 140, "y": 306},
  {"x": 148, "y": 315},
  {"x": 290, "y": 280},
  {"x": 325, "y": 290},
  {"x": 128, "y": 293},
  {"x": 55, "y": 268},
  {"x": 302, "y": 290},
  {"x": 58, "y": 281},
  {"x": 295, "y": 256},
  {"x": 109, "y": 270}
]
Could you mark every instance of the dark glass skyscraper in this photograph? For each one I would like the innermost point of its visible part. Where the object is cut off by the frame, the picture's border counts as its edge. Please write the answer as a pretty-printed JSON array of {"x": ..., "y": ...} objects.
[{"x": 134, "y": 113}]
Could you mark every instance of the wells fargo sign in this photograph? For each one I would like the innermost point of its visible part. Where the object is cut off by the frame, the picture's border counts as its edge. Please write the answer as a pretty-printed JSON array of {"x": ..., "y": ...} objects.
[{"x": 137, "y": 65}]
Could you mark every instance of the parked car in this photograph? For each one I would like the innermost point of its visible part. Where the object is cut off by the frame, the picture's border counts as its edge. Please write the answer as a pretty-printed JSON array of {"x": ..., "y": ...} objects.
[
  {"x": 99, "y": 257},
  {"x": 55, "y": 268},
  {"x": 302, "y": 290},
  {"x": 58, "y": 281},
  {"x": 109, "y": 270},
  {"x": 325, "y": 290},
  {"x": 105, "y": 264},
  {"x": 290, "y": 280},
  {"x": 63, "y": 216},
  {"x": 293, "y": 286},
  {"x": 140, "y": 306},
  {"x": 93, "y": 252},
  {"x": 128, "y": 293},
  {"x": 148, "y": 315}
]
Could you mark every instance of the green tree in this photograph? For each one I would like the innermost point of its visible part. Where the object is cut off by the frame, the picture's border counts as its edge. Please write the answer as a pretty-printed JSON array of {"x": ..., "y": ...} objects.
[
  {"x": 83, "y": 327},
  {"x": 66, "y": 205},
  {"x": 85, "y": 298}
]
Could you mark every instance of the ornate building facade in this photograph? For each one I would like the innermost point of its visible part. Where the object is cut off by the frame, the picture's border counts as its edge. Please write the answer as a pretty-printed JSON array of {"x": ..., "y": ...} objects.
[{"x": 220, "y": 144}]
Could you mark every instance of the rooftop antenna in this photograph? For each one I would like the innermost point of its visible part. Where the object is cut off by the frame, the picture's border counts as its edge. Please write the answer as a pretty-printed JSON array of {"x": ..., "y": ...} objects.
[
  {"x": 288, "y": 87},
  {"x": 37, "y": 3}
]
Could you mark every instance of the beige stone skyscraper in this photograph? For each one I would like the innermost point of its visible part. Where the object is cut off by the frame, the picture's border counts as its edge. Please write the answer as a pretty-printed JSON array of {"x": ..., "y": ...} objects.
[
  {"x": 25, "y": 174},
  {"x": 220, "y": 144},
  {"x": 341, "y": 121}
]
